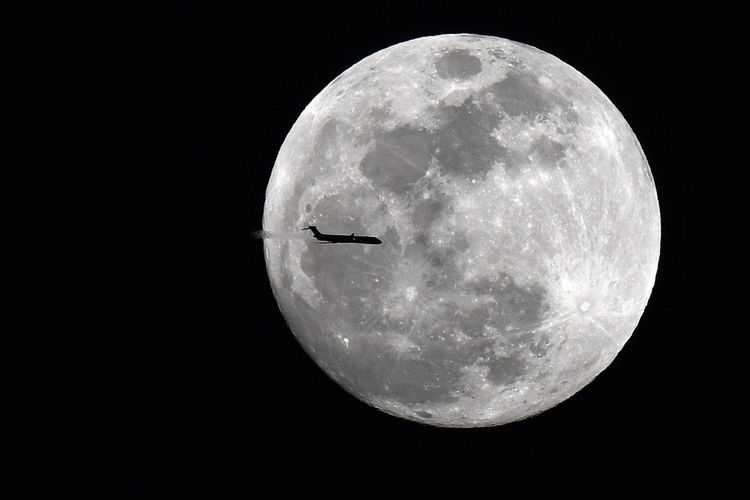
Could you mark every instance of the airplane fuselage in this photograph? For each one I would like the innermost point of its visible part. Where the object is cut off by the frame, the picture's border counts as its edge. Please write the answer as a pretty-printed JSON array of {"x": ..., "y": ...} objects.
[{"x": 343, "y": 238}]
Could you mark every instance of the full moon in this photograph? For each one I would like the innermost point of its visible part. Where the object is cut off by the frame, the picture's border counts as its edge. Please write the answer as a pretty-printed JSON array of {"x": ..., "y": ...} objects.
[{"x": 519, "y": 220}]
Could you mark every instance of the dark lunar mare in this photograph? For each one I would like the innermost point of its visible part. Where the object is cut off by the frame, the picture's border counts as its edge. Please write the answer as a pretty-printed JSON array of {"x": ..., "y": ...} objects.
[{"x": 462, "y": 142}]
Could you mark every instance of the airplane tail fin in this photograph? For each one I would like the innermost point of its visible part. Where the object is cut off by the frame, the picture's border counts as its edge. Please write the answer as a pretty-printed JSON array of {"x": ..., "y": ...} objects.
[{"x": 314, "y": 229}]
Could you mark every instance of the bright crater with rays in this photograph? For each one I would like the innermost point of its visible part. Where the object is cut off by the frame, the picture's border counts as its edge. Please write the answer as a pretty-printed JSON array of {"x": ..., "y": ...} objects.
[{"x": 519, "y": 220}]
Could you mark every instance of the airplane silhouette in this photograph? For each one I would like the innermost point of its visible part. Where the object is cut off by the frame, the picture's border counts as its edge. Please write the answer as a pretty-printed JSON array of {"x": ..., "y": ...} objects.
[{"x": 342, "y": 238}]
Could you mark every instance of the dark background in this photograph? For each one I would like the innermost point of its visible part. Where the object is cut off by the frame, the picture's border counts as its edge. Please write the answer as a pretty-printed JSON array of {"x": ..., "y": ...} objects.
[{"x": 159, "y": 362}]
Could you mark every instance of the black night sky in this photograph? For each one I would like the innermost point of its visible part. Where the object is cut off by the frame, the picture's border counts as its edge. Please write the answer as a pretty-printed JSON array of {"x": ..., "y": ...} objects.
[{"x": 159, "y": 364}]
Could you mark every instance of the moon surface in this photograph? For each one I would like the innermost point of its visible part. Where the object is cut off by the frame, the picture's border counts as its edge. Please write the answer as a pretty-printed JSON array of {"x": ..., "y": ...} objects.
[{"x": 519, "y": 220}]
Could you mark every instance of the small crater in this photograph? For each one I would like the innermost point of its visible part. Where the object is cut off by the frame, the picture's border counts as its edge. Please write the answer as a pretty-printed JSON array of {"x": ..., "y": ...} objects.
[
  {"x": 308, "y": 208},
  {"x": 424, "y": 414},
  {"x": 458, "y": 64},
  {"x": 540, "y": 346}
]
